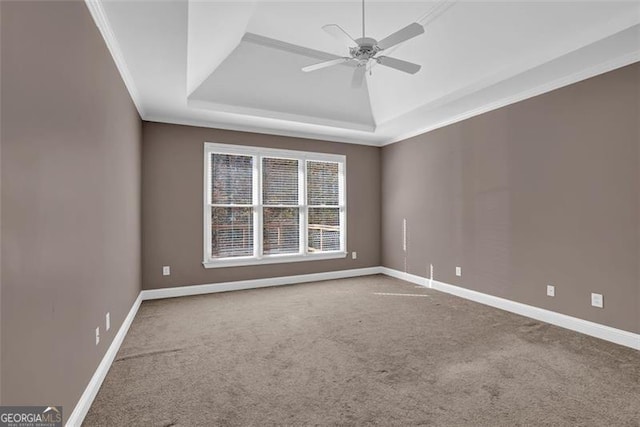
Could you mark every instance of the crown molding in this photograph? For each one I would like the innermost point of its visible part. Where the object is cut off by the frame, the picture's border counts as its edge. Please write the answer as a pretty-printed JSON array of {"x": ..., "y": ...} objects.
[
  {"x": 524, "y": 95},
  {"x": 401, "y": 127},
  {"x": 99, "y": 17},
  {"x": 248, "y": 128}
]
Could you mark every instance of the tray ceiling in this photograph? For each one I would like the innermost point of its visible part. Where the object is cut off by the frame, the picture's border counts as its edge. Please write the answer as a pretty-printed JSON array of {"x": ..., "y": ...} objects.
[{"x": 236, "y": 65}]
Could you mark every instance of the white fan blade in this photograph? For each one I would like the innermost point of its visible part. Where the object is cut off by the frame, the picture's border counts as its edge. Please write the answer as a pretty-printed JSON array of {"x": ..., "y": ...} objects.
[
  {"x": 408, "y": 32},
  {"x": 399, "y": 64},
  {"x": 358, "y": 76},
  {"x": 324, "y": 64},
  {"x": 340, "y": 34}
]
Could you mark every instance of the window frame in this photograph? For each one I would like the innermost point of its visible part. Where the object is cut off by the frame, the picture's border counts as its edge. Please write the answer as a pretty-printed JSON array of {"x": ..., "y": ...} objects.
[{"x": 258, "y": 153}]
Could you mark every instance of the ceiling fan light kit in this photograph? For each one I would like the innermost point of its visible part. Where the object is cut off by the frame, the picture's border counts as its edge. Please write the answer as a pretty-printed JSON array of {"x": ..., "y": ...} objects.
[{"x": 364, "y": 50}]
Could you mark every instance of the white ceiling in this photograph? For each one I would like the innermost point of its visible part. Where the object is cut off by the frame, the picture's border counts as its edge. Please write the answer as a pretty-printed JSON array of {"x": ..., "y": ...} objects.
[
  {"x": 237, "y": 85},
  {"x": 235, "y": 65}
]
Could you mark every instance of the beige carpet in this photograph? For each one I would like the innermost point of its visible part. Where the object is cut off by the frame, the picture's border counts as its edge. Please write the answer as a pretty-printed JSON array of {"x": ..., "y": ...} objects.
[{"x": 350, "y": 352}]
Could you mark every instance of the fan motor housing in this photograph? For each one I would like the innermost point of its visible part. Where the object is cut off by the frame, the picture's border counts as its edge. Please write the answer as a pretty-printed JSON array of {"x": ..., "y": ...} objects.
[{"x": 367, "y": 48}]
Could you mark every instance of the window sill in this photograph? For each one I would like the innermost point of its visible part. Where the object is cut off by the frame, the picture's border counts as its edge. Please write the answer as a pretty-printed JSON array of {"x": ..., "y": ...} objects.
[{"x": 271, "y": 259}]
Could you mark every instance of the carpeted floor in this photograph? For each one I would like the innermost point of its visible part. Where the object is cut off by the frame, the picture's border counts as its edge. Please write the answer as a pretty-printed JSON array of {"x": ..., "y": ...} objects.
[{"x": 354, "y": 352}]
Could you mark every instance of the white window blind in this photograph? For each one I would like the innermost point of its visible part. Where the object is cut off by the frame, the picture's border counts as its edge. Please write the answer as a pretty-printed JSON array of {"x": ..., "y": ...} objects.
[
  {"x": 231, "y": 205},
  {"x": 280, "y": 182},
  {"x": 323, "y": 185},
  {"x": 264, "y": 205},
  {"x": 323, "y": 196},
  {"x": 281, "y": 210}
]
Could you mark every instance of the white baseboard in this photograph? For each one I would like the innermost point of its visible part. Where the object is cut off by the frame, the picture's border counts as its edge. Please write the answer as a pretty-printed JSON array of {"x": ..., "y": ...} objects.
[
  {"x": 255, "y": 283},
  {"x": 83, "y": 405},
  {"x": 422, "y": 281},
  {"x": 607, "y": 333},
  {"x": 618, "y": 336}
]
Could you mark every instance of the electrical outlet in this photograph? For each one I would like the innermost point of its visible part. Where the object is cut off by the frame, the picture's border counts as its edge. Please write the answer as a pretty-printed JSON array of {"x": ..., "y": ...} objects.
[
  {"x": 107, "y": 321},
  {"x": 166, "y": 270},
  {"x": 597, "y": 300},
  {"x": 98, "y": 335},
  {"x": 354, "y": 255},
  {"x": 459, "y": 271},
  {"x": 551, "y": 291}
]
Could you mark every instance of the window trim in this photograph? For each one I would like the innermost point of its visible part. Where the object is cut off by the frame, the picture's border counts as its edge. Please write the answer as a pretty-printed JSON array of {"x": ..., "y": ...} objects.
[{"x": 258, "y": 153}]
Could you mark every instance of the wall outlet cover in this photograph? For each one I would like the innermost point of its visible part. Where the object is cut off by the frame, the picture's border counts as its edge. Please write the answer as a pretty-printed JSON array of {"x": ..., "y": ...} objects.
[
  {"x": 98, "y": 335},
  {"x": 551, "y": 291},
  {"x": 107, "y": 322},
  {"x": 166, "y": 270},
  {"x": 459, "y": 271},
  {"x": 597, "y": 300},
  {"x": 354, "y": 255}
]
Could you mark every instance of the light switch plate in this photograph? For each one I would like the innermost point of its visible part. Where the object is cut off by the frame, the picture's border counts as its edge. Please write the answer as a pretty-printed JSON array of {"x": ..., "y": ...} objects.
[
  {"x": 551, "y": 291},
  {"x": 166, "y": 270},
  {"x": 459, "y": 271}
]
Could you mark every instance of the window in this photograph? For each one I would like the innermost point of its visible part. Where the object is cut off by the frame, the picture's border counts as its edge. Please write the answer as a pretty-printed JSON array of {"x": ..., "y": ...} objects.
[{"x": 266, "y": 206}]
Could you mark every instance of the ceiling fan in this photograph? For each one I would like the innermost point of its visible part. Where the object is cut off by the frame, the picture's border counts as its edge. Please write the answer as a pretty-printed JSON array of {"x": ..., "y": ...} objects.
[{"x": 364, "y": 50}]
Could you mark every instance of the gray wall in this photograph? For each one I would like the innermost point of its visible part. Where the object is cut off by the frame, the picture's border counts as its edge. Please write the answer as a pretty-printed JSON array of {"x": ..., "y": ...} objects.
[
  {"x": 545, "y": 191},
  {"x": 70, "y": 196},
  {"x": 172, "y": 205},
  {"x": 0, "y": 210}
]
